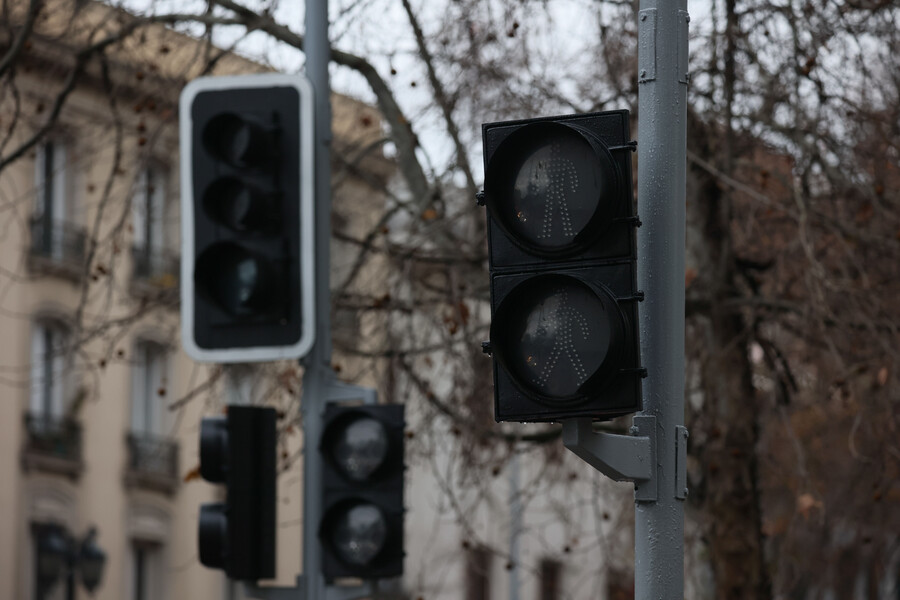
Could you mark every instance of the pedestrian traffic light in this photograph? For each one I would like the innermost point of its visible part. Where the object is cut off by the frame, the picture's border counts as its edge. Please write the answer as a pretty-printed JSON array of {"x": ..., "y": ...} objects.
[
  {"x": 562, "y": 250},
  {"x": 238, "y": 536},
  {"x": 247, "y": 218},
  {"x": 361, "y": 531}
]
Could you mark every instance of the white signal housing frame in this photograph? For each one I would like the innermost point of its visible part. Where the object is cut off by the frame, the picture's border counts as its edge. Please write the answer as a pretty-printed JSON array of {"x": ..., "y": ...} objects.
[{"x": 307, "y": 262}]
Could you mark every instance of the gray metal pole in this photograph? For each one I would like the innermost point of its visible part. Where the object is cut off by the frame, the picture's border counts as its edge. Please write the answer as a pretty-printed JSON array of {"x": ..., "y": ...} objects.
[
  {"x": 515, "y": 525},
  {"x": 318, "y": 374},
  {"x": 662, "y": 141}
]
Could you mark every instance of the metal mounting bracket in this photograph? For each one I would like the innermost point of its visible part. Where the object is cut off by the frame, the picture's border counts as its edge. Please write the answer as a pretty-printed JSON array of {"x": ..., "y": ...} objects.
[
  {"x": 252, "y": 590},
  {"x": 681, "y": 484},
  {"x": 647, "y": 45},
  {"x": 298, "y": 592},
  {"x": 360, "y": 592},
  {"x": 338, "y": 392},
  {"x": 619, "y": 457}
]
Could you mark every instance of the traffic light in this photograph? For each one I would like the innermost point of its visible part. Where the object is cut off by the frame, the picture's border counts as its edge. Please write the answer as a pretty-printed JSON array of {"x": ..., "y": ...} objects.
[
  {"x": 238, "y": 536},
  {"x": 561, "y": 236},
  {"x": 361, "y": 531},
  {"x": 247, "y": 218}
]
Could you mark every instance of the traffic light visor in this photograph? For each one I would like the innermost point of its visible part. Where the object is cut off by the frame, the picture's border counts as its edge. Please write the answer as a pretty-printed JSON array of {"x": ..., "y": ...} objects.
[
  {"x": 213, "y": 535},
  {"x": 213, "y": 449},
  {"x": 552, "y": 188},
  {"x": 559, "y": 338}
]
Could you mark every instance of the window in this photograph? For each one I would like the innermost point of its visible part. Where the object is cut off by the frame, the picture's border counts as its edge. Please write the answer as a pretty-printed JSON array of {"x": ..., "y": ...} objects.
[
  {"x": 152, "y": 452},
  {"x": 49, "y": 370},
  {"x": 146, "y": 571},
  {"x": 149, "y": 380},
  {"x": 53, "y": 439},
  {"x": 478, "y": 574},
  {"x": 51, "y": 181},
  {"x": 52, "y": 232},
  {"x": 149, "y": 220},
  {"x": 550, "y": 574}
]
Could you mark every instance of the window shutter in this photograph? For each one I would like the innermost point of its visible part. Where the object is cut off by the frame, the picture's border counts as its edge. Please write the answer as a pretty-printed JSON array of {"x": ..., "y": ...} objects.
[
  {"x": 139, "y": 211},
  {"x": 60, "y": 191},
  {"x": 59, "y": 372},
  {"x": 157, "y": 194},
  {"x": 36, "y": 404},
  {"x": 138, "y": 378}
]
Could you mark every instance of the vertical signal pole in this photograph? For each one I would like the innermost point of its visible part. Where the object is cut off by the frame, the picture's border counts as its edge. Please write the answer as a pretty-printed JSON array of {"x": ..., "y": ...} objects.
[
  {"x": 318, "y": 376},
  {"x": 662, "y": 141}
]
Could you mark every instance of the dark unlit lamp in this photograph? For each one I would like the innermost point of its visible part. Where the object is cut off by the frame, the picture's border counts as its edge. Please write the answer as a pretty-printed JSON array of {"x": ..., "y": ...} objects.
[
  {"x": 239, "y": 141},
  {"x": 59, "y": 554},
  {"x": 361, "y": 448},
  {"x": 53, "y": 555},
  {"x": 360, "y": 534},
  {"x": 361, "y": 529}
]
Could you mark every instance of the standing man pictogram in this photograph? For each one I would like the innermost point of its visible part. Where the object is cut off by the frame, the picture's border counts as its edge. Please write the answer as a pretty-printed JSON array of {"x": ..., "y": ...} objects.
[
  {"x": 562, "y": 321},
  {"x": 551, "y": 178}
]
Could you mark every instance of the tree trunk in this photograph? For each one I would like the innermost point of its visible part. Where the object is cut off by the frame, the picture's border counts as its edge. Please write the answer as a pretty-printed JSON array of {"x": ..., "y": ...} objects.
[{"x": 725, "y": 429}]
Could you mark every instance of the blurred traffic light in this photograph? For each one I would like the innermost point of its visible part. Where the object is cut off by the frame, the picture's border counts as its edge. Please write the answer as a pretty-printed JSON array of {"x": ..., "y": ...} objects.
[
  {"x": 247, "y": 211},
  {"x": 362, "y": 492},
  {"x": 561, "y": 235},
  {"x": 238, "y": 536}
]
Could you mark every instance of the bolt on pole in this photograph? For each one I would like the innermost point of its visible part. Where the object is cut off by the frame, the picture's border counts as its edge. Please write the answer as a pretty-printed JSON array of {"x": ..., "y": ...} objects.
[{"x": 662, "y": 152}]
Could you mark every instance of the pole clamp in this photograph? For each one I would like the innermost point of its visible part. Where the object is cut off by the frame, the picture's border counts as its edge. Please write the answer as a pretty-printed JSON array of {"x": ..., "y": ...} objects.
[{"x": 253, "y": 590}]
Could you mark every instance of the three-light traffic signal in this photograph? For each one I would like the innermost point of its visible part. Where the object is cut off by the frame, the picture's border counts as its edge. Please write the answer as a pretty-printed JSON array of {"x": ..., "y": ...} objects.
[
  {"x": 561, "y": 235},
  {"x": 238, "y": 536},
  {"x": 361, "y": 531},
  {"x": 247, "y": 218}
]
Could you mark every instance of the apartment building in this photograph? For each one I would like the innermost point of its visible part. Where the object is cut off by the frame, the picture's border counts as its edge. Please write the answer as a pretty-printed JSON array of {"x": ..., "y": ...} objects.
[{"x": 100, "y": 411}]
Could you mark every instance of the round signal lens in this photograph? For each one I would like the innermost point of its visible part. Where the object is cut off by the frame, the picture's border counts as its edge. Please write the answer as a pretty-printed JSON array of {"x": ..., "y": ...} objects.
[
  {"x": 563, "y": 339},
  {"x": 360, "y": 448},
  {"x": 552, "y": 187},
  {"x": 239, "y": 281},
  {"x": 238, "y": 141},
  {"x": 359, "y": 534}
]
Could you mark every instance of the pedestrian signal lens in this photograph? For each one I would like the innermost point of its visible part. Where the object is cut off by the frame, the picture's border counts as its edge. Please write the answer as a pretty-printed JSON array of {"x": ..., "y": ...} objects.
[
  {"x": 553, "y": 188},
  {"x": 563, "y": 338}
]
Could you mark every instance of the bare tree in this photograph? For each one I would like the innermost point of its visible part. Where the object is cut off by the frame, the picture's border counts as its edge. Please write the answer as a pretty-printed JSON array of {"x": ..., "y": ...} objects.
[{"x": 793, "y": 244}]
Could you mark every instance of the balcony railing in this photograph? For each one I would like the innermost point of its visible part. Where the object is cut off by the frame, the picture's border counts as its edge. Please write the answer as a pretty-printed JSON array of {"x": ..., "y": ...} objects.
[
  {"x": 52, "y": 444},
  {"x": 156, "y": 267},
  {"x": 58, "y": 241},
  {"x": 152, "y": 462}
]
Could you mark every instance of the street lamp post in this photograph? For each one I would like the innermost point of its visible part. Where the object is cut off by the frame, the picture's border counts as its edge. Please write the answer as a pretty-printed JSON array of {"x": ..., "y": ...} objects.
[{"x": 60, "y": 554}]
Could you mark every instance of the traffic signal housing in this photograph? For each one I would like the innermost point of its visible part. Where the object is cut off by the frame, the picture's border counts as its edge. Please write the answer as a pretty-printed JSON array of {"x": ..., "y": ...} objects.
[
  {"x": 247, "y": 218},
  {"x": 238, "y": 536},
  {"x": 561, "y": 234},
  {"x": 361, "y": 531}
]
